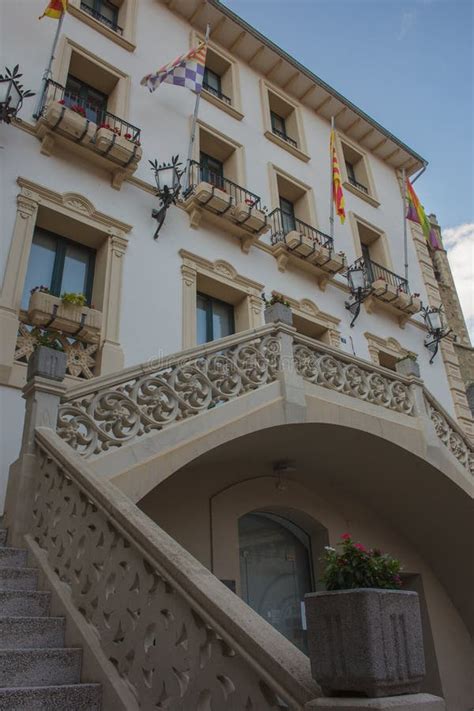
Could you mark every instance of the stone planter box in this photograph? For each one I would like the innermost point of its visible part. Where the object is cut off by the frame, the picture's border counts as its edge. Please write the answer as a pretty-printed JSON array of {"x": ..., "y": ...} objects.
[
  {"x": 408, "y": 366},
  {"x": 60, "y": 118},
  {"x": 330, "y": 261},
  {"x": 365, "y": 641},
  {"x": 121, "y": 149},
  {"x": 278, "y": 312},
  {"x": 385, "y": 291},
  {"x": 47, "y": 363},
  {"x": 250, "y": 217},
  {"x": 300, "y": 244},
  {"x": 212, "y": 197},
  {"x": 408, "y": 303},
  {"x": 48, "y": 310}
]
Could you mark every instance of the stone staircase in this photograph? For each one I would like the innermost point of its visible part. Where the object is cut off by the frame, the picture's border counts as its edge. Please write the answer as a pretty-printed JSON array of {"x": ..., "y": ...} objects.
[{"x": 37, "y": 672}]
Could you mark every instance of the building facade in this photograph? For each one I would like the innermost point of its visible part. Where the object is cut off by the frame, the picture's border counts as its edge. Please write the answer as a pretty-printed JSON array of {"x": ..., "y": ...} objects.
[{"x": 254, "y": 488}]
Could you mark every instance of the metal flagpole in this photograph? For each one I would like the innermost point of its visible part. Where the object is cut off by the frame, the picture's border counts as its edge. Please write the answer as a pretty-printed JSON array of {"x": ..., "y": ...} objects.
[
  {"x": 47, "y": 71},
  {"x": 331, "y": 184},
  {"x": 193, "y": 127},
  {"x": 405, "y": 232}
]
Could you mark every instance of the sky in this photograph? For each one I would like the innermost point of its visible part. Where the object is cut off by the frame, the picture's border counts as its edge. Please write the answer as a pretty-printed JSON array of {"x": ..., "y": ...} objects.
[{"x": 410, "y": 65}]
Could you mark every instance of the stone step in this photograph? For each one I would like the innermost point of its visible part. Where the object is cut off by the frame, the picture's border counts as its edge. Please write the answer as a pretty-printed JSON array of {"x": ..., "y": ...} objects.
[
  {"x": 40, "y": 667},
  {"x": 13, "y": 557},
  {"x": 24, "y": 603},
  {"x": 31, "y": 632},
  {"x": 18, "y": 578},
  {"x": 3, "y": 536},
  {"x": 77, "y": 697}
]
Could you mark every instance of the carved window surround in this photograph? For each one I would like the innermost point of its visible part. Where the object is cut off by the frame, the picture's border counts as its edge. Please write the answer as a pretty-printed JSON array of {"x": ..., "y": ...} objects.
[
  {"x": 309, "y": 320},
  {"x": 220, "y": 280},
  {"x": 76, "y": 217},
  {"x": 389, "y": 346}
]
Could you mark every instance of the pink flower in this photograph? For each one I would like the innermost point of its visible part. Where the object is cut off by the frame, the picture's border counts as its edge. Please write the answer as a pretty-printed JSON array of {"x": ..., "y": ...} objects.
[
  {"x": 346, "y": 536},
  {"x": 360, "y": 547}
]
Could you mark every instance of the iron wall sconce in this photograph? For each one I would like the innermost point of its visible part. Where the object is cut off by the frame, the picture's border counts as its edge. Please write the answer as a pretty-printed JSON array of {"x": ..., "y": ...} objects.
[
  {"x": 359, "y": 288},
  {"x": 168, "y": 183},
  {"x": 11, "y": 94},
  {"x": 437, "y": 329}
]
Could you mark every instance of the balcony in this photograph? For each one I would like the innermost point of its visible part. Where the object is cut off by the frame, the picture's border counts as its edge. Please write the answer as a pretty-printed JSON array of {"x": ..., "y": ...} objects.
[
  {"x": 102, "y": 18},
  {"x": 224, "y": 203},
  {"x": 109, "y": 141},
  {"x": 359, "y": 186},
  {"x": 218, "y": 94},
  {"x": 284, "y": 136},
  {"x": 389, "y": 289},
  {"x": 297, "y": 243}
]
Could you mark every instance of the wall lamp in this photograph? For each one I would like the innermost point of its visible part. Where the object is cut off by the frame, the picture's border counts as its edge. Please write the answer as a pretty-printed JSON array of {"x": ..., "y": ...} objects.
[
  {"x": 11, "y": 94},
  {"x": 437, "y": 329},
  {"x": 168, "y": 183},
  {"x": 360, "y": 289}
]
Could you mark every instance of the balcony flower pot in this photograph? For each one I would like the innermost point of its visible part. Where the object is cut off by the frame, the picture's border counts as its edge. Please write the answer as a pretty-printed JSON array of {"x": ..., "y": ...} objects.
[
  {"x": 278, "y": 312},
  {"x": 408, "y": 366},
  {"x": 410, "y": 303},
  {"x": 250, "y": 217},
  {"x": 47, "y": 310},
  {"x": 47, "y": 362},
  {"x": 117, "y": 147},
  {"x": 330, "y": 261},
  {"x": 365, "y": 641},
  {"x": 214, "y": 198},
  {"x": 385, "y": 291},
  {"x": 68, "y": 122},
  {"x": 300, "y": 244}
]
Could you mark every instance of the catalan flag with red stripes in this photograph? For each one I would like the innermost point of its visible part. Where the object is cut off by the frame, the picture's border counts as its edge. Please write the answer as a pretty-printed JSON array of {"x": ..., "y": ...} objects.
[
  {"x": 55, "y": 9},
  {"x": 337, "y": 194},
  {"x": 186, "y": 70},
  {"x": 416, "y": 213}
]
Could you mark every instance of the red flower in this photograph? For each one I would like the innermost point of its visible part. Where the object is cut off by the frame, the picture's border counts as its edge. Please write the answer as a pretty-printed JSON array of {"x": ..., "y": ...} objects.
[
  {"x": 346, "y": 536},
  {"x": 360, "y": 547},
  {"x": 61, "y": 102}
]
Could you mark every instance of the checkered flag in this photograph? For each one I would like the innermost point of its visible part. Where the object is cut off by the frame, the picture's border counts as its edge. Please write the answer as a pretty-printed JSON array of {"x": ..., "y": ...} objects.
[{"x": 187, "y": 70}]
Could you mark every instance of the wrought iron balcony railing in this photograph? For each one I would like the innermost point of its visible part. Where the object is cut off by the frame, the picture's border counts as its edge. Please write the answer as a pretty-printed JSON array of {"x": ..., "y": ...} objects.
[
  {"x": 282, "y": 224},
  {"x": 285, "y": 137},
  {"x": 101, "y": 18},
  {"x": 374, "y": 271},
  {"x": 359, "y": 186},
  {"x": 93, "y": 112},
  {"x": 212, "y": 90},
  {"x": 201, "y": 173}
]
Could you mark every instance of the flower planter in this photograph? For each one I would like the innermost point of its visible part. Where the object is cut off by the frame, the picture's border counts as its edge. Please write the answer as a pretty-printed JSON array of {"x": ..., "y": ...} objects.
[
  {"x": 117, "y": 147},
  {"x": 329, "y": 260},
  {"x": 408, "y": 366},
  {"x": 60, "y": 118},
  {"x": 47, "y": 363},
  {"x": 212, "y": 197},
  {"x": 278, "y": 312},
  {"x": 47, "y": 310},
  {"x": 409, "y": 303},
  {"x": 385, "y": 291},
  {"x": 365, "y": 640},
  {"x": 300, "y": 244},
  {"x": 250, "y": 217}
]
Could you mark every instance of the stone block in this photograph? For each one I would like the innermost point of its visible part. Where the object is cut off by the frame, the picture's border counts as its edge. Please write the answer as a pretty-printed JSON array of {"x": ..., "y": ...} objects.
[
  {"x": 408, "y": 366},
  {"x": 366, "y": 641},
  {"x": 408, "y": 702},
  {"x": 278, "y": 312},
  {"x": 47, "y": 363}
]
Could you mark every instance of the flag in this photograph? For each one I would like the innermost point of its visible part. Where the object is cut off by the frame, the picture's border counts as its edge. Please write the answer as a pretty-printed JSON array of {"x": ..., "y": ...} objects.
[
  {"x": 337, "y": 194},
  {"x": 55, "y": 9},
  {"x": 186, "y": 70},
  {"x": 416, "y": 213}
]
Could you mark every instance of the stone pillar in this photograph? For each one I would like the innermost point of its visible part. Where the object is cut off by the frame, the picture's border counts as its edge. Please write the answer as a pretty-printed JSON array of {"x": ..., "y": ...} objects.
[
  {"x": 42, "y": 395},
  {"x": 292, "y": 384}
]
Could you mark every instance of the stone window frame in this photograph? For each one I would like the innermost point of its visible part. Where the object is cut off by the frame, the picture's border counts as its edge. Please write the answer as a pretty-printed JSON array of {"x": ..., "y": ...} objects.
[
  {"x": 300, "y": 151},
  {"x": 237, "y": 148},
  {"x": 390, "y": 346},
  {"x": 310, "y": 215},
  {"x": 127, "y": 19},
  {"x": 371, "y": 197},
  {"x": 222, "y": 279},
  {"x": 232, "y": 86},
  {"x": 111, "y": 241},
  {"x": 354, "y": 219},
  {"x": 309, "y": 311}
]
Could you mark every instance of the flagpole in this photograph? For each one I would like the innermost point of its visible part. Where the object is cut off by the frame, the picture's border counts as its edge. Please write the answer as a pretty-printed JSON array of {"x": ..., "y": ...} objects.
[
  {"x": 47, "y": 71},
  {"x": 405, "y": 231},
  {"x": 193, "y": 126},
  {"x": 331, "y": 185}
]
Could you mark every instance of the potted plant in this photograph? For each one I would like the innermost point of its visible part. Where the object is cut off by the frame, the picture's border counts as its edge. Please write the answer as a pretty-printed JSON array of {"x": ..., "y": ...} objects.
[
  {"x": 68, "y": 313},
  {"x": 110, "y": 141},
  {"x": 303, "y": 245},
  {"x": 71, "y": 121},
  {"x": 48, "y": 359},
  {"x": 277, "y": 309},
  {"x": 364, "y": 632},
  {"x": 248, "y": 214},
  {"x": 408, "y": 365},
  {"x": 330, "y": 261}
]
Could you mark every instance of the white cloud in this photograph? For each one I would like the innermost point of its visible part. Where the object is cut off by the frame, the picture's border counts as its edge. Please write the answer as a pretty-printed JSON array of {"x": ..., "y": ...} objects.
[
  {"x": 407, "y": 23},
  {"x": 459, "y": 243}
]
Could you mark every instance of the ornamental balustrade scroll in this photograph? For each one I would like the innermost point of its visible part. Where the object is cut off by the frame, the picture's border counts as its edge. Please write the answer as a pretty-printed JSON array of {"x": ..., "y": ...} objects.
[
  {"x": 115, "y": 415},
  {"x": 159, "y": 642},
  {"x": 450, "y": 437}
]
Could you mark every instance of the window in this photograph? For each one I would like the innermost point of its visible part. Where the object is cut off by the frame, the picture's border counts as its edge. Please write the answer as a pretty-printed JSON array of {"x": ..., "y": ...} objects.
[
  {"x": 212, "y": 170},
  {"x": 59, "y": 264},
  {"x": 212, "y": 82},
  {"x": 372, "y": 248},
  {"x": 356, "y": 172},
  {"x": 103, "y": 11},
  {"x": 215, "y": 319},
  {"x": 283, "y": 121},
  {"x": 275, "y": 572},
  {"x": 92, "y": 101},
  {"x": 221, "y": 79},
  {"x": 278, "y": 124},
  {"x": 287, "y": 214}
]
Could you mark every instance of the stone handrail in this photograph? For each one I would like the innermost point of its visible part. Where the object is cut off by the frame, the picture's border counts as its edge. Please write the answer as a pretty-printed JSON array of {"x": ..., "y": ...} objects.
[
  {"x": 330, "y": 368},
  {"x": 176, "y": 635},
  {"x": 449, "y": 432},
  {"x": 115, "y": 409}
]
